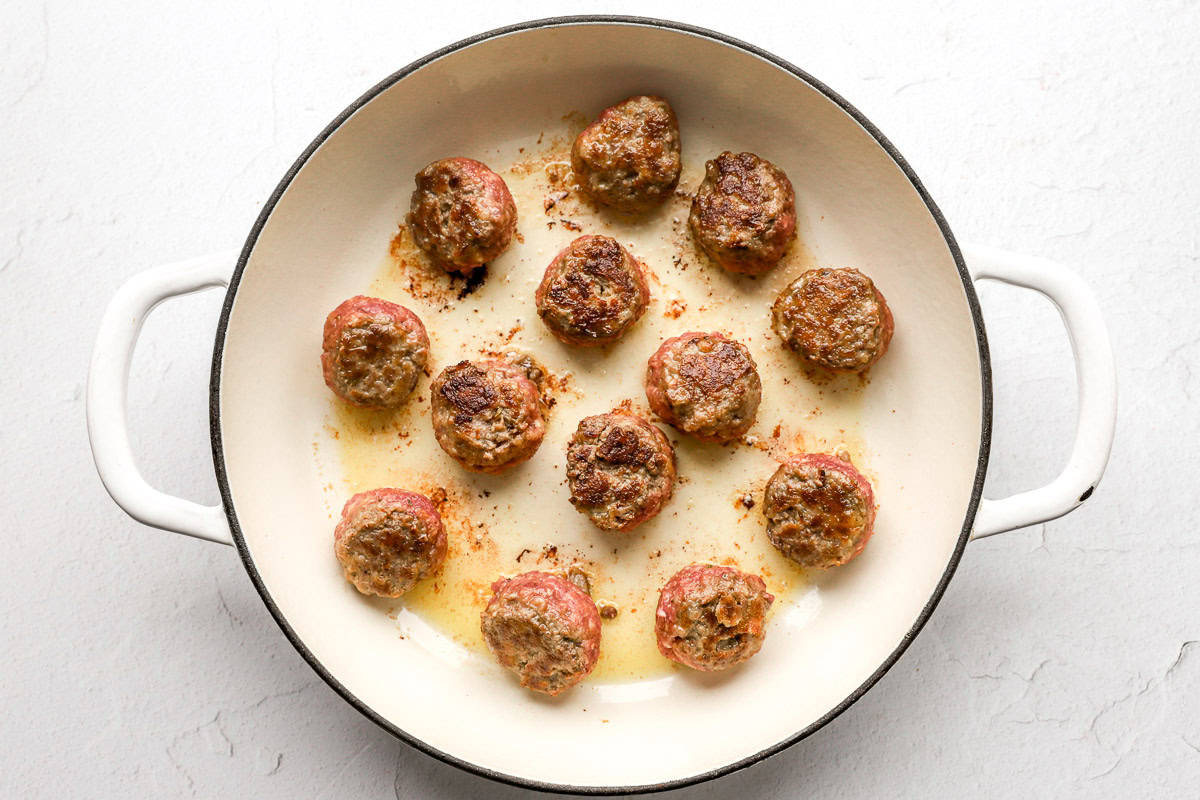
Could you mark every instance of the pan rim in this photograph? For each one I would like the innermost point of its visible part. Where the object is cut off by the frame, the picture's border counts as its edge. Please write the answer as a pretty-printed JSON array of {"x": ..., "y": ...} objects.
[{"x": 223, "y": 478}]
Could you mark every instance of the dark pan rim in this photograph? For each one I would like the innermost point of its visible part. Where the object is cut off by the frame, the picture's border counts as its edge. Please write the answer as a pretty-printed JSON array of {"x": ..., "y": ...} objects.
[{"x": 223, "y": 478}]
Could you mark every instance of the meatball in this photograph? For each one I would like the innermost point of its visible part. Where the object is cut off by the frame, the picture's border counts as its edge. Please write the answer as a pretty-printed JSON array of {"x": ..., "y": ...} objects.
[
  {"x": 820, "y": 510},
  {"x": 710, "y": 618},
  {"x": 704, "y": 384},
  {"x": 487, "y": 415},
  {"x": 542, "y": 628},
  {"x": 629, "y": 157},
  {"x": 744, "y": 213},
  {"x": 621, "y": 470},
  {"x": 834, "y": 318},
  {"x": 373, "y": 352},
  {"x": 462, "y": 214},
  {"x": 593, "y": 291},
  {"x": 389, "y": 539}
]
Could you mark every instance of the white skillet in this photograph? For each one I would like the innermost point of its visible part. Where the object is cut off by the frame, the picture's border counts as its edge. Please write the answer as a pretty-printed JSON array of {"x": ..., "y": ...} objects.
[{"x": 921, "y": 427}]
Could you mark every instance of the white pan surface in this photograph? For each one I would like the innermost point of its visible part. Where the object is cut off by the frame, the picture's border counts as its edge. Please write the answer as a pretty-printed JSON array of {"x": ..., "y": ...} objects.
[{"x": 293, "y": 455}]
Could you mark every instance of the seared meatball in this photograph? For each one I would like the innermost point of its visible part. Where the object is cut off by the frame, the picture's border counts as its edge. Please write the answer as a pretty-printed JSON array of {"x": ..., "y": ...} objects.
[
  {"x": 744, "y": 213},
  {"x": 704, "y": 384},
  {"x": 373, "y": 352},
  {"x": 542, "y": 628},
  {"x": 820, "y": 510},
  {"x": 621, "y": 470},
  {"x": 629, "y": 157},
  {"x": 710, "y": 618},
  {"x": 486, "y": 415},
  {"x": 389, "y": 539},
  {"x": 593, "y": 291},
  {"x": 462, "y": 214},
  {"x": 834, "y": 318}
]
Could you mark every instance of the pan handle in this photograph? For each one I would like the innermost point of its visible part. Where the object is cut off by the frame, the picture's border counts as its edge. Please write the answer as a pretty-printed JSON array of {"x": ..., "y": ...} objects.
[
  {"x": 1095, "y": 374},
  {"x": 108, "y": 379}
]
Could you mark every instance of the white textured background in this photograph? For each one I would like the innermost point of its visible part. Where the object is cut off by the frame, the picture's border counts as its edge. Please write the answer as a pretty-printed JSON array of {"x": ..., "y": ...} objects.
[{"x": 1062, "y": 661}]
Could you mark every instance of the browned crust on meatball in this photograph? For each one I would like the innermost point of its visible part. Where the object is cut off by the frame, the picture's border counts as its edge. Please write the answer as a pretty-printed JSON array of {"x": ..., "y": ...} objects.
[
  {"x": 834, "y": 318},
  {"x": 744, "y": 213},
  {"x": 820, "y": 510},
  {"x": 710, "y": 617},
  {"x": 487, "y": 415},
  {"x": 628, "y": 158},
  {"x": 462, "y": 214},
  {"x": 592, "y": 292},
  {"x": 621, "y": 470},
  {"x": 704, "y": 384},
  {"x": 543, "y": 629},
  {"x": 373, "y": 352},
  {"x": 388, "y": 539}
]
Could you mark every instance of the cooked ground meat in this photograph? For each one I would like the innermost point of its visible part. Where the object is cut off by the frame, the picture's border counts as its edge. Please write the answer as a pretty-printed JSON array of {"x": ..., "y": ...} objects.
[
  {"x": 629, "y": 157},
  {"x": 580, "y": 579},
  {"x": 744, "y": 213},
  {"x": 621, "y": 470},
  {"x": 389, "y": 539},
  {"x": 535, "y": 371},
  {"x": 820, "y": 510},
  {"x": 834, "y": 318},
  {"x": 543, "y": 629},
  {"x": 704, "y": 384},
  {"x": 593, "y": 292},
  {"x": 462, "y": 214},
  {"x": 710, "y": 618},
  {"x": 373, "y": 352},
  {"x": 486, "y": 415}
]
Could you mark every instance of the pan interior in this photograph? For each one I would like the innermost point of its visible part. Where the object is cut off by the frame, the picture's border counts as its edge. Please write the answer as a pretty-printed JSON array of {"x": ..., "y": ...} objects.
[{"x": 293, "y": 454}]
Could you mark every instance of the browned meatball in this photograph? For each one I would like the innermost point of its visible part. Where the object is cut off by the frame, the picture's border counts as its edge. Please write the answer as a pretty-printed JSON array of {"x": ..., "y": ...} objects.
[
  {"x": 704, "y": 384},
  {"x": 462, "y": 214},
  {"x": 710, "y": 618},
  {"x": 373, "y": 352},
  {"x": 389, "y": 539},
  {"x": 486, "y": 415},
  {"x": 820, "y": 510},
  {"x": 834, "y": 318},
  {"x": 621, "y": 470},
  {"x": 744, "y": 213},
  {"x": 593, "y": 292},
  {"x": 629, "y": 157},
  {"x": 544, "y": 629}
]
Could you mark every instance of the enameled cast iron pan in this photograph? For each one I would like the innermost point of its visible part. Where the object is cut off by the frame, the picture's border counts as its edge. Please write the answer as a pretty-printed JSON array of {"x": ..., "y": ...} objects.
[{"x": 512, "y": 98}]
